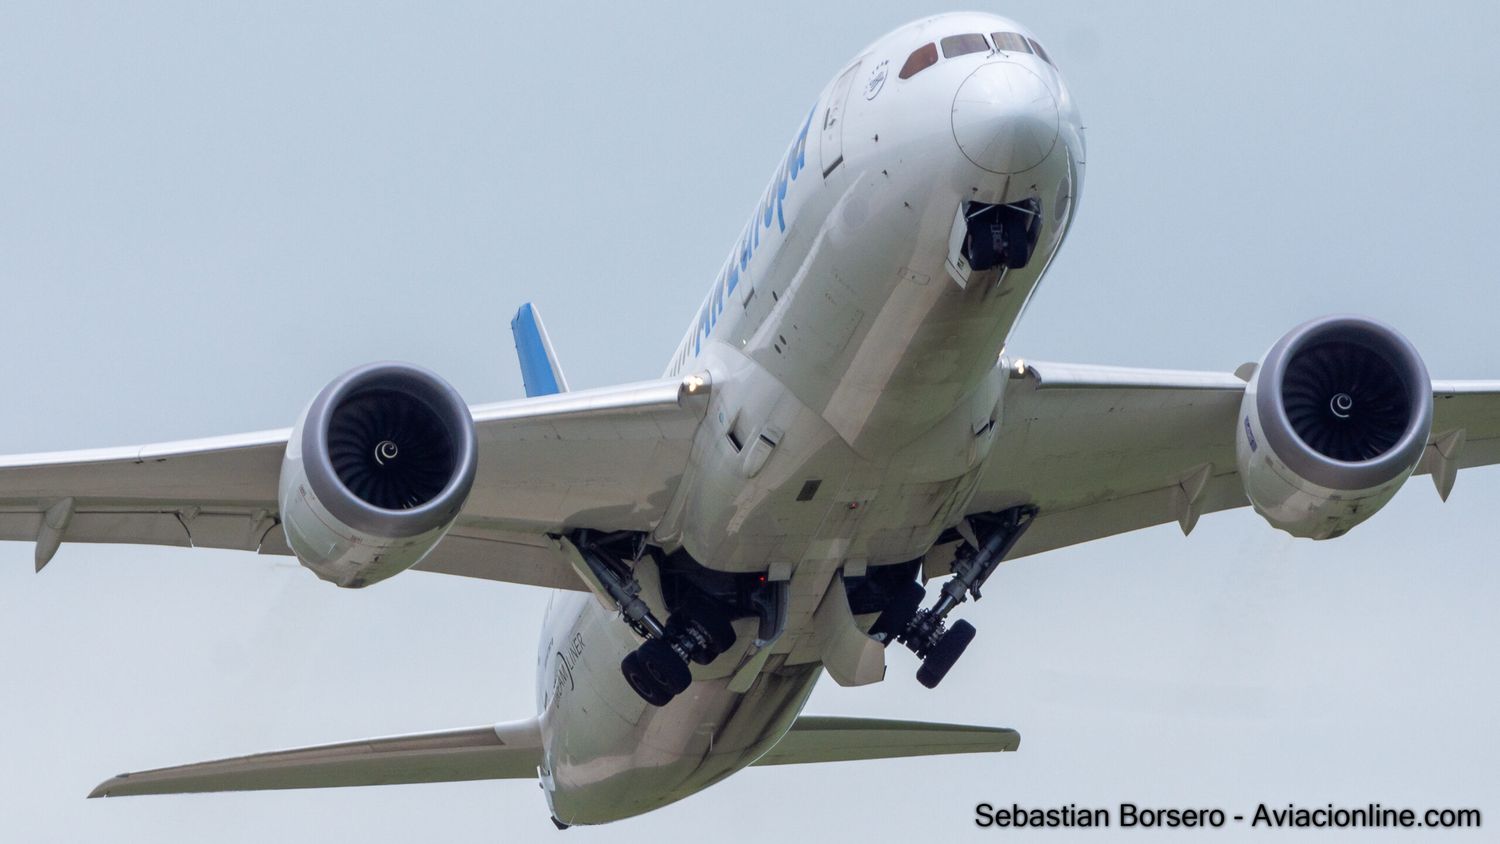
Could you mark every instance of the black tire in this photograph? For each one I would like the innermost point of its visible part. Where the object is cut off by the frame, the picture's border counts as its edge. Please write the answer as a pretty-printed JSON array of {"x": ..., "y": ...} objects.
[
  {"x": 641, "y": 682},
  {"x": 980, "y": 248},
  {"x": 712, "y": 620},
  {"x": 945, "y": 653},
  {"x": 664, "y": 666},
  {"x": 899, "y": 611},
  {"x": 1018, "y": 241}
]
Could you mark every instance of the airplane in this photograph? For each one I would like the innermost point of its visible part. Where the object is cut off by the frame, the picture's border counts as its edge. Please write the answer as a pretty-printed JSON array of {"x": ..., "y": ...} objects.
[{"x": 841, "y": 424}]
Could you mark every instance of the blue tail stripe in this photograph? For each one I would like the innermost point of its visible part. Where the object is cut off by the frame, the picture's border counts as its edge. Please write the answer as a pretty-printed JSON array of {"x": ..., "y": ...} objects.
[{"x": 537, "y": 369}]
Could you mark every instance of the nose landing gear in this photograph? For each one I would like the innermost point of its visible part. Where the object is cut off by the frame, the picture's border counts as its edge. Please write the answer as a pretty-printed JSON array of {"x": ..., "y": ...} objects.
[
  {"x": 988, "y": 538},
  {"x": 1002, "y": 234}
]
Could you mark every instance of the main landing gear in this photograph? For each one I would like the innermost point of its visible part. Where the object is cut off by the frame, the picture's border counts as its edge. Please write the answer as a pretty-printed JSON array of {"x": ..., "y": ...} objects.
[
  {"x": 987, "y": 539},
  {"x": 698, "y": 630}
]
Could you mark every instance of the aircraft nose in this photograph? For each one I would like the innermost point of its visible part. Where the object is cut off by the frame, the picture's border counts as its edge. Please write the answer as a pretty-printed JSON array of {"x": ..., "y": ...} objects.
[{"x": 1005, "y": 118}]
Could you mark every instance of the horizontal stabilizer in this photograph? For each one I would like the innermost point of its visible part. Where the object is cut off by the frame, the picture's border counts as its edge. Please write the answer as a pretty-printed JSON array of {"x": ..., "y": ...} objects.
[
  {"x": 514, "y": 750},
  {"x": 821, "y": 738},
  {"x": 504, "y": 751}
]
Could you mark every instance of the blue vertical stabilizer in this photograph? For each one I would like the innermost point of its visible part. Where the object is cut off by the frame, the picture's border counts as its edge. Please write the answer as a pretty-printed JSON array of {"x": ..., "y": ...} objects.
[{"x": 539, "y": 370}]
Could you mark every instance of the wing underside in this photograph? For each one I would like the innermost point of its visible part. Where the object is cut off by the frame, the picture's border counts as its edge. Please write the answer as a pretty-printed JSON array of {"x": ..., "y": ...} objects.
[
  {"x": 1099, "y": 450},
  {"x": 606, "y": 459},
  {"x": 1107, "y": 450}
]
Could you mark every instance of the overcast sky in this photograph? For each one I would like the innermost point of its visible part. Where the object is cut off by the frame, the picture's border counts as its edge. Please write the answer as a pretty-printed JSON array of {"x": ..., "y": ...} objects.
[{"x": 207, "y": 212}]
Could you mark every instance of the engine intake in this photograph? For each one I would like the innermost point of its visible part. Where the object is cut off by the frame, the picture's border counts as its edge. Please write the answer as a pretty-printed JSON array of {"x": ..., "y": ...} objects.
[
  {"x": 389, "y": 448},
  {"x": 1346, "y": 400},
  {"x": 376, "y": 471},
  {"x": 1334, "y": 420}
]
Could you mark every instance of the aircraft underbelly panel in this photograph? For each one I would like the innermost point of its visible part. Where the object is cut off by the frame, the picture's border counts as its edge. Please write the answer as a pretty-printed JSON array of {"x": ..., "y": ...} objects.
[{"x": 610, "y": 755}]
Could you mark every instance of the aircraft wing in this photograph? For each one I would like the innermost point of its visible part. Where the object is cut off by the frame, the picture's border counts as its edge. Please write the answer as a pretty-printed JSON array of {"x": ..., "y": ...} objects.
[
  {"x": 1106, "y": 450},
  {"x": 607, "y": 459}
]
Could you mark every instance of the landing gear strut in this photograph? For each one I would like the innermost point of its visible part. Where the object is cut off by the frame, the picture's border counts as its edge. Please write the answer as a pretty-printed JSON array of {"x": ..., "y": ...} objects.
[
  {"x": 1002, "y": 234},
  {"x": 698, "y": 631},
  {"x": 987, "y": 539}
]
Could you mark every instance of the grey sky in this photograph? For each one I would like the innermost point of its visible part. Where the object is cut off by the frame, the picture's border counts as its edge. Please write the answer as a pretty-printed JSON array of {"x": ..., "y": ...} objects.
[{"x": 207, "y": 213}]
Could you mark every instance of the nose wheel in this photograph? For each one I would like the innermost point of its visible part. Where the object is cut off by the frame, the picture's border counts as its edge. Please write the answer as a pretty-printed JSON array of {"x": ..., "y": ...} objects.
[{"x": 1002, "y": 234}]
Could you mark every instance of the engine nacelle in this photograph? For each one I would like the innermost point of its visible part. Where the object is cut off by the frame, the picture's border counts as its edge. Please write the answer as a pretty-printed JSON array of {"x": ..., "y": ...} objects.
[
  {"x": 1333, "y": 422},
  {"x": 375, "y": 472}
]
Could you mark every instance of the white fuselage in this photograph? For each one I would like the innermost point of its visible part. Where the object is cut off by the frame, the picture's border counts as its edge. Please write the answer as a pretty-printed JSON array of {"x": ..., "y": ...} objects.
[{"x": 846, "y": 356}]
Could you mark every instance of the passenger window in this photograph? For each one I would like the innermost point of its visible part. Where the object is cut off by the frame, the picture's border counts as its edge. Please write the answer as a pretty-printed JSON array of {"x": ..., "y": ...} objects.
[
  {"x": 962, "y": 45},
  {"x": 1039, "y": 51},
  {"x": 920, "y": 59},
  {"x": 1010, "y": 42}
]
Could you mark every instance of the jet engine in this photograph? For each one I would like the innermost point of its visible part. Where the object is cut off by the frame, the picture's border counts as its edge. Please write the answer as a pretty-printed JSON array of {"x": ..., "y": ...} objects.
[
  {"x": 1334, "y": 420},
  {"x": 375, "y": 472}
]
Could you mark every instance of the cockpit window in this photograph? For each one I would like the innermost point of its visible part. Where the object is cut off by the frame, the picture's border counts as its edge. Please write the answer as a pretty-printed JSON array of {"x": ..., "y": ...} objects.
[
  {"x": 962, "y": 45},
  {"x": 920, "y": 59},
  {"x": 1010, "y": 42},
  {"x": 1039, "y": 51}
]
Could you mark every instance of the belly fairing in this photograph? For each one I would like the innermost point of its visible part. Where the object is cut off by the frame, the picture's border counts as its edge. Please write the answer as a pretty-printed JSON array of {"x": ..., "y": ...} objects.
[{"x": 609, "y": 755}]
